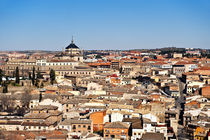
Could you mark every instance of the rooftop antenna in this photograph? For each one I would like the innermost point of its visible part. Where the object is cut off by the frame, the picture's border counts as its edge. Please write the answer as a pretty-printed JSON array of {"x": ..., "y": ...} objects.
[{"x": 72, "y": 40}]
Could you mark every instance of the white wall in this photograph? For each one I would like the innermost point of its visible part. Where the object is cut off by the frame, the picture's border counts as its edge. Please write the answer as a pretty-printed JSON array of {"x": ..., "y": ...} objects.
[{"x": 51, "y": 102}]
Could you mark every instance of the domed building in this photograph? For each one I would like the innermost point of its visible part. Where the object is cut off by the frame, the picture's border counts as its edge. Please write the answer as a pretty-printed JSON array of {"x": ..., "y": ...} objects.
[
  {"x": 72, "y": 49},
  {"x": 72, "y": 52}
]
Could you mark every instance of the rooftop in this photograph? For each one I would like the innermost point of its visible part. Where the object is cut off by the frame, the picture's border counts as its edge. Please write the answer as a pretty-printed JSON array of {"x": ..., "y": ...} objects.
[
  {"x": 117, "y": 125},
  {"x": 153, "y": 136}
]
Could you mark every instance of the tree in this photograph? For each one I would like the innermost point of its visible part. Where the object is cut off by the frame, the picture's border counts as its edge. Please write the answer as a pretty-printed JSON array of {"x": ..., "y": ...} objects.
[
  {"x": 21, "y": 111},
  {"x": 17, "y": 77},
  {"x": 29, "y": 75},
  {"x": 98, "y": 56},
  {"x": 121, "y": 70},
  {"x": 52, "y": 76},
  {"x": 208, "y": 55},
  {"x": 26, "y": 98},
  {"x": 5, "y": 87},
  {"x": 1, "y": 76},
  {"x": 42, "y": 85},
  {"x": 23, "y": 76},
  {"x": 33, "y": 76},
  {"x": 40, "y": 97},
  {"x": 6, "y": 102},
  {"x": 37, "y": 83},
  {"x": 39, "y": 75}
]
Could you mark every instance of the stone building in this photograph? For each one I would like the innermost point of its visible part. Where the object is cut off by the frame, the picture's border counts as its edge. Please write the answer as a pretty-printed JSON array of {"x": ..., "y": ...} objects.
[
  {"x": 68, "y": 59},
  {"x": 73, "y": 52}
]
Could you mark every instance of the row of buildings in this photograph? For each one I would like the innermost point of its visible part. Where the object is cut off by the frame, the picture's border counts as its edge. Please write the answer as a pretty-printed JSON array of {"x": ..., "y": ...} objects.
[{"x": 127, "y": 95}]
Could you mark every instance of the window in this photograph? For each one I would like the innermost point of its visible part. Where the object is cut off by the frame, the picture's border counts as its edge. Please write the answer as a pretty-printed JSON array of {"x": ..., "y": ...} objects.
[
  {"x": 134, "y": 133},
  {"x": 84, "y": 126},
  {"x": 79, "y": 126},
  {"x": 74, "y": 126},
  {"x": 89, "y": 127}
]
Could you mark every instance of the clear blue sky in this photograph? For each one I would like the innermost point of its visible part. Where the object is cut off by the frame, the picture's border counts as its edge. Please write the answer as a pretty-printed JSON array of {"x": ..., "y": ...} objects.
[{"x": 104, "y": 24}]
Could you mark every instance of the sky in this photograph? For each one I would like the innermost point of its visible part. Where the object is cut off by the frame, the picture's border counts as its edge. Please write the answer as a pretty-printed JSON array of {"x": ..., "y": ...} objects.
[{"x": 104, "y": 24}]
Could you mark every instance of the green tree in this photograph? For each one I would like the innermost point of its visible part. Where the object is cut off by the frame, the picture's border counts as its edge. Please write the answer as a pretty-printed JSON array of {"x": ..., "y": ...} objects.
[
  {"x": 37, "y": 83},
  {"x": 17, "y": 77},
  {"x": 98, "y": 56},
  {"x": 21, "y": 111},
  {"x": 5, "y": 87},
  {"x": 1, "y": 76},
  {"x": 121, "y": 70},
  {"x": 208, "y": 55},
  {"x": 42, "y": 85},
  {"x": 40, "y": 97},
  {"x": 33, "y": 76},
  {"x": 39, "y": 75},
  {"x": 29, "y": 76},
  {"x": 52, "y": 76}
]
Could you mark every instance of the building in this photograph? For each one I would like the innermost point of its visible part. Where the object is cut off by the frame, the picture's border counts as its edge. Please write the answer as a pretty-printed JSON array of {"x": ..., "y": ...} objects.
[
  {"x": 205, "y": 91},
  {"x": 177, "y": 55},
  {"x": 136, "y": 125},
  {"x": 72, "y": 52},
  {"x": 116, "y": 130},
  {"x": 190, "y": 76},
  {"x": 81, "y": 126},
  {"x": 182, "y": 67},
  {"x": 153, "y": 136},
  {"x": 117, "y": 112},
  {"x": 68, "y": 59},
  {"x": 98, "y": 120},
  {"x": 42, "y": 117}
]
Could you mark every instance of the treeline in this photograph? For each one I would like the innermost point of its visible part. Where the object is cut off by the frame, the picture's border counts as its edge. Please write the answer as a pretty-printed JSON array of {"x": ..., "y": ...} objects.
[
  {"x": 35, "y": 77},
  {"x": 172, "y": 50},
  {"x": 9, "y": 103}
]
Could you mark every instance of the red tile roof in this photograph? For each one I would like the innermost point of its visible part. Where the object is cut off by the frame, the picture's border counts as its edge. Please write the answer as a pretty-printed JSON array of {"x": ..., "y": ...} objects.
[{"x": 99, "y": 64}]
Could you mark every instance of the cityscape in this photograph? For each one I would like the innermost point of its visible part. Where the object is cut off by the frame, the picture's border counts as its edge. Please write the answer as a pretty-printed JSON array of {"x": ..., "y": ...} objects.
[{"x": 114, "y": 92}]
